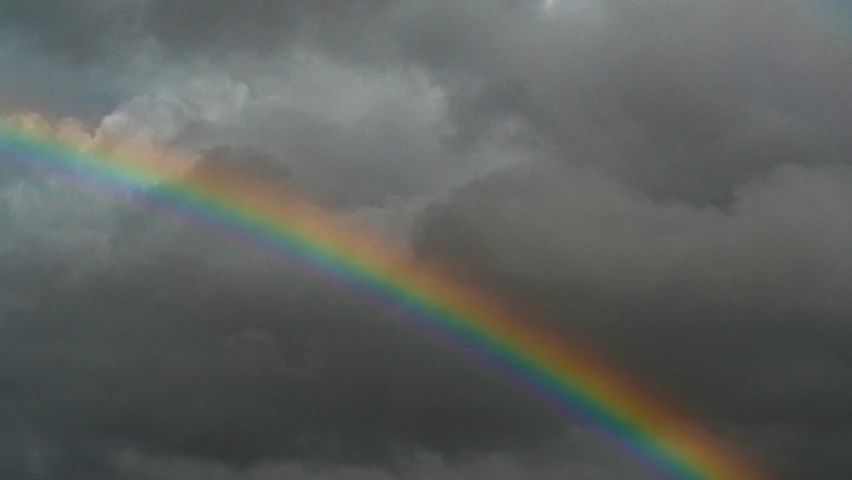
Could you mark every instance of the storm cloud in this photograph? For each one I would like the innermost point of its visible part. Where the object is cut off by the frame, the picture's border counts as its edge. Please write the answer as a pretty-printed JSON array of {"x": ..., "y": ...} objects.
[{"x": 671, "y": 180}]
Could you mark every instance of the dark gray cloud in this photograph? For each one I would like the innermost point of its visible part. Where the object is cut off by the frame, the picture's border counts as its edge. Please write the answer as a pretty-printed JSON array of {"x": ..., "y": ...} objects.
[
  {"x": 670, "y": 179},
  {"x": 681, "y": 100},
  {"x": 91, "y": 30},
  {"x": 259, "y": 25},
  {"x": 80, "y": 28},
  {"x": 422, "y": 468},
  {"x": 192, "y": 347}
]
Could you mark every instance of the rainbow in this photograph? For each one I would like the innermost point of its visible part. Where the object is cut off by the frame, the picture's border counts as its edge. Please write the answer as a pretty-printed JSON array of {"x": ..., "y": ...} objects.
[{"x": 571, "y": 381}]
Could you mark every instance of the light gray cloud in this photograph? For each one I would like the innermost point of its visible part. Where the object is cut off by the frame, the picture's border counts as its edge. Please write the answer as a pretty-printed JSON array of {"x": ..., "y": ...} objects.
[{"x": 349, "y": 133}]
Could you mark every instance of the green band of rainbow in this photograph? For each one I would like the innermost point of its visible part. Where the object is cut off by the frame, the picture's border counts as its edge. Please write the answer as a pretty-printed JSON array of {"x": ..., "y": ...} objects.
[{"x": 569, "y": 380}]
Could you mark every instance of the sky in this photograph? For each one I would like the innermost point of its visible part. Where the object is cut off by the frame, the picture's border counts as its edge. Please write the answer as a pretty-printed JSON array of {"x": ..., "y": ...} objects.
[{"x": 670, "y": 179}]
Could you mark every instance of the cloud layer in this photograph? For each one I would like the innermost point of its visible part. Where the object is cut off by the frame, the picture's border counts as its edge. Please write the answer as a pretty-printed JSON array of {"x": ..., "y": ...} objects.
[{"x": 670, "y": 179}]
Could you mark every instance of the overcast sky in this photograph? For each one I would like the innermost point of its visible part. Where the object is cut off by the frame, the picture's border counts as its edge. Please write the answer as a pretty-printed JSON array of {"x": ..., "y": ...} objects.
[{"x": 671, "y": 179}]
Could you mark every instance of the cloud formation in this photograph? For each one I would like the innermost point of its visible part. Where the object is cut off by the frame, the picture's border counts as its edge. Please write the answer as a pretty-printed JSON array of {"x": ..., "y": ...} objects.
[{"x": 670, "y": 179}]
